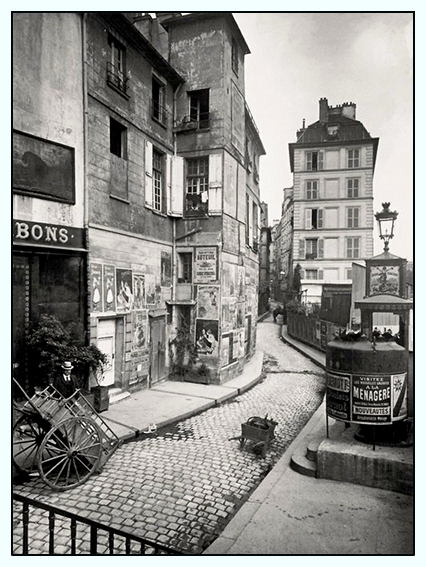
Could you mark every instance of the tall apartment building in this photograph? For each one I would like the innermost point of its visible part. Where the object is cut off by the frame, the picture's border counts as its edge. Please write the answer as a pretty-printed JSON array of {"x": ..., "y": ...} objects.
[
  {"x": 136, "y": 187},
  {"x": 332, "y": 163}
]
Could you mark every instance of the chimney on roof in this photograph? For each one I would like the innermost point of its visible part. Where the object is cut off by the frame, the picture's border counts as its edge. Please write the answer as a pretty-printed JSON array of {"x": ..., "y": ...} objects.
[
  {"x": 349, "y": 110},
  {"x": 323, "y": 110}
]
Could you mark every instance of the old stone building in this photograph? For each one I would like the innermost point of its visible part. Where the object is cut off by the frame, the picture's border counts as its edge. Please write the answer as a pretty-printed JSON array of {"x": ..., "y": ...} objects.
[
  {"x": 332, "y": 163},
  {"x": 164, "y": 165}
]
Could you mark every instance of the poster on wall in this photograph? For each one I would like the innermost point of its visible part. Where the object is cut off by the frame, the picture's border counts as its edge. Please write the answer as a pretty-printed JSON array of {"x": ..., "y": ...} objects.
[
  {"x": 166, "y": 269},
  {"x": 96, "y": 291},
  {"x": 224, "y": 353},
  {"x": 247, "y": 333},
  {"x": 240, "y": 315},
  {"x": 241, "y": 273},
  {"x": 109, "y": 288},
  {"x": 384, "y": 279},
  {"x": 205, "y": 264},
  {"x": 124, "y": 292},
  {"x": 150, "y": 289},
  {"x": 139, "y": 291},
  {"x": 206, "y": 337},
  {"x": 140, "y": 330},
  {"x": 233, "y": 313},
  {"x": 241, "y": 350},
  {"x": 226, "y": 322},
  {"x": 208, "y": 302}
]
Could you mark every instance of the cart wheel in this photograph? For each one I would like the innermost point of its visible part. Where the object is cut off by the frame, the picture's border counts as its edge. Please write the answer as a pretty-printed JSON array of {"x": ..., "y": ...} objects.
[
  {"x": 70, "y": 453},
  {"x": 28, "y": 434}
]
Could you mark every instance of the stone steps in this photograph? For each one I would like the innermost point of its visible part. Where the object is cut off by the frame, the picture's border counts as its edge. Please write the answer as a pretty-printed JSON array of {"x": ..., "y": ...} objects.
[{"x": 117, "y": 395}]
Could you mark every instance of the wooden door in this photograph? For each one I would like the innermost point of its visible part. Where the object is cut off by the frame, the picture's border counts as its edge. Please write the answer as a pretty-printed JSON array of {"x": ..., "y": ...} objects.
[{"x": 158, "y": 349}]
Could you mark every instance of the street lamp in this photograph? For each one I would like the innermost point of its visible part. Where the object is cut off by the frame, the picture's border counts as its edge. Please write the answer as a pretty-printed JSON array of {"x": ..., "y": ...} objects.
[{"x": 386, "y": 220}]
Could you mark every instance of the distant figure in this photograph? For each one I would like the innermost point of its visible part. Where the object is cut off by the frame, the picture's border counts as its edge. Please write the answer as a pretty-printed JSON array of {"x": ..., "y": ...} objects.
[
  {"x": 65, "y": 383},
  {"x": 387, "y": 335},
  {"x": 376, "y": 333},
  {"x": 277, "y": 311}
]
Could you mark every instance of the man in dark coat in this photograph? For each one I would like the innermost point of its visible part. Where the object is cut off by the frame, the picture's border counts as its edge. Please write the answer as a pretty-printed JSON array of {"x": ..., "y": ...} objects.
[{"x": 64, "y": 382}]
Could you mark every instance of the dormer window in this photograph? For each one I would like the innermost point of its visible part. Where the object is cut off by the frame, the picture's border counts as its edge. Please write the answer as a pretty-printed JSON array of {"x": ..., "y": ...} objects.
[{"x": 332, "y": 130}]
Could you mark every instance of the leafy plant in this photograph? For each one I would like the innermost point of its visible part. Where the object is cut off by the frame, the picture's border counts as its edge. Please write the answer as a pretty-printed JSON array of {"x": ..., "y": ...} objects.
[
  {"x": 50, "y": 344},
  {"x": 182, "y": 350},
  {"x": 296, "y": 282}
]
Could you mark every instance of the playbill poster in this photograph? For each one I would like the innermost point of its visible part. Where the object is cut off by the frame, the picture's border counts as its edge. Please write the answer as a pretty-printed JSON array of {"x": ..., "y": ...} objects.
[
  {"x": 96, "y": 288},
  {"x": 124, "y": 292},
  {"x": 205, "y": 264},
  {"x": 208, "y": 302},
  {"x": 109, "y": 288},
  {"x": 139, "y": 291}
]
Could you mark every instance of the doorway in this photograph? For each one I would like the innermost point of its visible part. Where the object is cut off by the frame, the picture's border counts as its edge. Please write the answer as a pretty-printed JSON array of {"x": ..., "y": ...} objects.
[
  {"x": 158, "y": 349},
  {"x": 106, "y": 343}
]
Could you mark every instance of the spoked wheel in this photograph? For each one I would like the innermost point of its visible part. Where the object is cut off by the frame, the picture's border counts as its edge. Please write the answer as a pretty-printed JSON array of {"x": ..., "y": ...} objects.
[
  {"x": 70, "y": 453},
  {"x": 28, "y": 434}
]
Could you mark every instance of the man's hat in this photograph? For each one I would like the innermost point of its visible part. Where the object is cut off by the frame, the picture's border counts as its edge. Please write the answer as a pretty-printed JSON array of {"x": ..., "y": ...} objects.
[{"x": 67, "y": 365}]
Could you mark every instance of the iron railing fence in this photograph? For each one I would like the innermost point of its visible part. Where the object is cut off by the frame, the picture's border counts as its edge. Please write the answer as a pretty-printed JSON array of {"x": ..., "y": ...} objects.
[{"x": 85, "y": 536}]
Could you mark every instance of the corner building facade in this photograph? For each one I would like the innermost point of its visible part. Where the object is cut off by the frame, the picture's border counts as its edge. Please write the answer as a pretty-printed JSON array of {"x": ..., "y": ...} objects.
[{"x": 332, "y": 163}]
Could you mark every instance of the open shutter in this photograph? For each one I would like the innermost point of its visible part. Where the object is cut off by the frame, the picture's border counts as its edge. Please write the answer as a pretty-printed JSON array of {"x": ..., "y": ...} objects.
[
  {"x": 301, "y": 249},
  {"x": 169, "y": 183},
  {"x": 320, "y": 274},
  {"x": 302, "y": 274},
  {"x": 309, "y": 161},
  {"x": 176, "y": 186},
  {"x": 320, "y": 219},
  {"x": 308, "y": 218},
  {"x": 320, "y": 248},
  {"x": 215, "y": 184},
  {"x": 320, "y": 160},
  {"x": 148, "y": 174}
]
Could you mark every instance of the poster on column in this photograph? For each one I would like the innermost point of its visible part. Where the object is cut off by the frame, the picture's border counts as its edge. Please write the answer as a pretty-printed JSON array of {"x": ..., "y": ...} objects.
[
  {"x": 124, "y": 292},
  {"x": 371, "y": 399},
  {"x": 109, "y": 288},
  {"x": 208, "y": 302},
  {"x": 150, "y": 289},
  {"x": 166, "y": 269},
  {"x": 96, "y": 288},
  {"x": 139, "y": 291},
  {"x": 399, "y": 396}
]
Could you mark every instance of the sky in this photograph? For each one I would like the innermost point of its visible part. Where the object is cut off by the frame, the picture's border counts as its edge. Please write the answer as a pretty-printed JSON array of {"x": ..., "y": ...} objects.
[{"x": 365, "y": 58}]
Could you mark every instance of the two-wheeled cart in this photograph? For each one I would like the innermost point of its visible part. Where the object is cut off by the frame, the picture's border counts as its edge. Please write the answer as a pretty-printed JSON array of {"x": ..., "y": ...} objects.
[
  {"x": 261, "y": 430},
  {"x": 63, "y": 439}
]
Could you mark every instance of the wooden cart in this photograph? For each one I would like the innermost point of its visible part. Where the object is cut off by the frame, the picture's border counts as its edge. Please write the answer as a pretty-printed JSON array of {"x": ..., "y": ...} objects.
[
  {"x": 62, "y": 439},
  {"x": 260, "y": 430}
]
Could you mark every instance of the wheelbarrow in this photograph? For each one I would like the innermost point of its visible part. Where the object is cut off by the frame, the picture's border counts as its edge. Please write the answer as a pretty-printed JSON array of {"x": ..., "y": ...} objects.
[{"x": 260, "y": 430}]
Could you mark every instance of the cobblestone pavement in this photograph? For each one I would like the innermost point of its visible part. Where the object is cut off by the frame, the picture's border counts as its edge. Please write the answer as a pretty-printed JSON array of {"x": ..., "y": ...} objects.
[{"x": 183, "y": 484}]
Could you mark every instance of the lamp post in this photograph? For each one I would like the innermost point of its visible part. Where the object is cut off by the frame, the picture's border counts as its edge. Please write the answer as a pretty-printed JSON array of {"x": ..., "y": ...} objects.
[{"x": 386, "y": 220}]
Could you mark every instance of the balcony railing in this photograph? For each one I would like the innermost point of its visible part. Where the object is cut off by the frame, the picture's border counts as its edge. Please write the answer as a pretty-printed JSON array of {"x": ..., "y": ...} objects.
[
  {"x": 201, "y": 122},
  {"x": 85, "y": 536},
  {"x": 117, "y": 79}
]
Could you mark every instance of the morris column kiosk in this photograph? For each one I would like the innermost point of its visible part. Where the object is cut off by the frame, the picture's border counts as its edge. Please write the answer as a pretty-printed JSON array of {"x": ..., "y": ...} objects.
[{"x": 367, "y": 373}]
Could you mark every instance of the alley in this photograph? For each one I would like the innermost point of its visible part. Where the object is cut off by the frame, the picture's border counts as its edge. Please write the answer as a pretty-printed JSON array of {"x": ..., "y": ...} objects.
[{"x": 184, "y": 483}]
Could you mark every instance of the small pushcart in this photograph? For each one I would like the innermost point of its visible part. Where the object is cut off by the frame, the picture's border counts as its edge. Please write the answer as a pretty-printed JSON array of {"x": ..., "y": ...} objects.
[
  {"x": 260, "y": 430},
  {"x": 64, "y": 440}
]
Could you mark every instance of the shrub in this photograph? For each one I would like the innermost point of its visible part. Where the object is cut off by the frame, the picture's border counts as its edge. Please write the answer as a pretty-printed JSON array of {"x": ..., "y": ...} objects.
[
  {"x": 182, "y": 351},
  {"x": 50, "y": 344}
]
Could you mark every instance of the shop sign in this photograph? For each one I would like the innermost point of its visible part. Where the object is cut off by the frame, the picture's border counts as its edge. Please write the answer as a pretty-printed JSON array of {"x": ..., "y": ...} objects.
[
  {"x": 27, "y": 232},
  {"x": 338, "y": 395},
  {"x": 205, "y": 264}
]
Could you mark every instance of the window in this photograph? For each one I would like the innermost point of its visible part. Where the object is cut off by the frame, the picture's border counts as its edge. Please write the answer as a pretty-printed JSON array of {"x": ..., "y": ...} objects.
[
  {"x": 348, "y": 273},
  {"x": 353, "y": 217},
  {"x": 332, "y": 130},
  {"x": 157, "y": 177},
  {"x": 312, "y": 189},
  {"x": 197, "y": 183},
  {"x": 185, "y": 267},
  {"x": 314, "y": 218},
  {"x": 314, "y": 161},
  {"x": 311, "y": 274},
  {"x": 199, "y": 107},
  {"x": 352, "y": 247},
  {"x": 352, "y": 187},
  {"x": 158, "y": 106},
  {"x": 255, "y": 222},
  {"x": 117, "y": 138},
  {"x": 353, "y": 159},
  {"x": 311, "y": 248},
  {"x": 116, "y": 66},
  {"x": 235, "y": 56}
]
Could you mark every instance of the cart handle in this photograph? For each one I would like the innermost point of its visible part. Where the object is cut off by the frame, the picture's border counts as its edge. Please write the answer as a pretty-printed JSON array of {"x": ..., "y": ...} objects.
[{"x": 35, "y": 408}]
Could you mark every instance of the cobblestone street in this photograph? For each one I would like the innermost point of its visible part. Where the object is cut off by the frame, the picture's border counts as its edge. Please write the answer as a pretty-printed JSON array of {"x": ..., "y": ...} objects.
[{"x": 184, "y": 483}]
